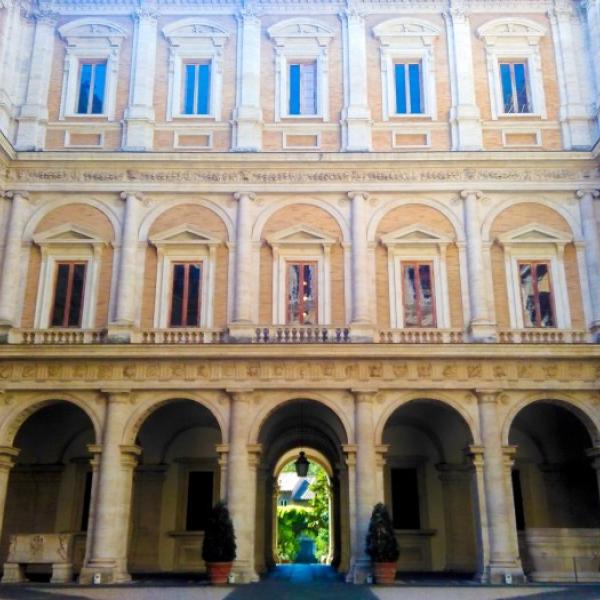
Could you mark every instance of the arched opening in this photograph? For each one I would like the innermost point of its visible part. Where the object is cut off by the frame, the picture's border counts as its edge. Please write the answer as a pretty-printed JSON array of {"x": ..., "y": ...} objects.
[
  {"x": 428, "y": 483},
  {"x": 50, "y": 486},
  {"x": 555, "y": 491},
  {"x": 318, "y": 431},
  {"x": 176, "y": 483}
]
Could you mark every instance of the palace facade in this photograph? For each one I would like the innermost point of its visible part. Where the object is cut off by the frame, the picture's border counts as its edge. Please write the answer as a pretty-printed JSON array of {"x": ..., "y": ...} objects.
[{"x": 233, "y": 230}]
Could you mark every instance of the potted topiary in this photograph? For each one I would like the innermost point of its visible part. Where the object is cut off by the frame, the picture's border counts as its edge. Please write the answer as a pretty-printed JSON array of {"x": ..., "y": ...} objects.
[
  {"x": 382, "y": 545},
  {"x": 218, "y": 548}
]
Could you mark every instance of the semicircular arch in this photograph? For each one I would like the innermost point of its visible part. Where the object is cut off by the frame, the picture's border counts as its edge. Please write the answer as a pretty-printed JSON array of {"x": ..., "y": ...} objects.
[{"x": 311, "y": 453}]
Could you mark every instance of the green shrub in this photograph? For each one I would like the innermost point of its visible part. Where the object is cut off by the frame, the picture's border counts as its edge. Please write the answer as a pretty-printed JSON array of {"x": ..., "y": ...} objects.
[
  {"x": 219, "y": 538},
  {"x": 381, "y": 538}
]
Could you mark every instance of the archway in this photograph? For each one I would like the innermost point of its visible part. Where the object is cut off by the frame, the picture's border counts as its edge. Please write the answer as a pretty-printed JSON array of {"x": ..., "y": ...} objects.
[
  {"x": 50, "y": 486},
  {"x": 428, "y": 487},
  {"x": 555, "y": 491},
  {"x": 176, "y": 483},
  {"x": 315, "y": 428}
]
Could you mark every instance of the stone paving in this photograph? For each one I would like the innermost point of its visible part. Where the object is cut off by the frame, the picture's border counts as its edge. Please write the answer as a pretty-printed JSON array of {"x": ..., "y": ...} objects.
[{"x": 299, "y": 582}]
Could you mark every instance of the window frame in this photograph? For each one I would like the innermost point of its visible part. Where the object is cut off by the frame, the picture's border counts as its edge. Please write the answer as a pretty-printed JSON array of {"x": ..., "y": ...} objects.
[
  {"x": 187, "y": 263},
  {"x": 520, "y": 263},
  {"x": 513, "y": 83},
  {"x": 289, "y": 263},
  {"x": 72, "y": 264},
  {"x": 419, "y": 263},
  {"x": 183, "y": 97},
  {"x": 290, "y": 64},
  {"x": 90, "y": 102},
  {"x": 407, "y": 87},
  {"x": 90, "y": 40}
]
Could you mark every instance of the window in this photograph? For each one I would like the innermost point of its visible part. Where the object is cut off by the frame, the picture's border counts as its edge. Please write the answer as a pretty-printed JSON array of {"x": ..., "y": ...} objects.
[
  {"x": 68, "y": 294},
  {"x": 536, "y": 294},
  {"x": 406, "y": 512},
  {"x": 518, "y": 499},
  {"x": 196, "y": 96},
  {"x": 199, "y": 500},
  {"x": 185, "y": 295},
  {"x": 417, "y": 295},
  {"x": 92, "y": 83},
  {"x": 302, "y": 293},
  {"x": 513, "y": 77},
  {"x": 303, "y": 88},
  {"x": 408, "y": 88},
  {"x": 87, "y": 500}
]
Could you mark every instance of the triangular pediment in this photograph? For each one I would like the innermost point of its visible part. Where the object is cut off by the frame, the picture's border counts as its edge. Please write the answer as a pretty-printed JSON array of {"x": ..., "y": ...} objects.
[
  {"x": 301, "y": 235},
  {"x": 414, "y": 234},
  {"x": 534, "y": 233},
  {"x": 184, "y": 234},
  {"x": 67, "y": 234}
]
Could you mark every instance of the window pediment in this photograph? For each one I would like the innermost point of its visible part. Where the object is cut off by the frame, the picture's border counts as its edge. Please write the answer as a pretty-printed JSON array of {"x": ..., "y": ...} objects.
[
  {"x": 92, "y": 32},
  {"x": 534, "y": 233},
  {"x": 406, "y": 31},
  {"x": 184, "y": 235},
  {"x": 414, "y": 235},
  {"x": 300, "y": 235},
  {"x": 287, "y": 31},
  {"x": 68, "y": 235},
  {"x": 506, "y": 30},
  {"x": 191, "y": 31}
]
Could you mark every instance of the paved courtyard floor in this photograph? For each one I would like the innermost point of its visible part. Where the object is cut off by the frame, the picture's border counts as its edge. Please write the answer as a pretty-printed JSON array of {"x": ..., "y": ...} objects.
[{"x": 300, "y": 582}]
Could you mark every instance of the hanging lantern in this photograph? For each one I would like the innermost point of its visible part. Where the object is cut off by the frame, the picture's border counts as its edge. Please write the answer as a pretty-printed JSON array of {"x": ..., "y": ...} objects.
[{"x": 301, "y": 465}]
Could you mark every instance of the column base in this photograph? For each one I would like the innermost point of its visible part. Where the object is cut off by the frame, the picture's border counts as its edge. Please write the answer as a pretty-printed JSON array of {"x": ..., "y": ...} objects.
[
  {"x": 242, "y": 333},
  {"x": 362, "y": 333},
  {"x": 119, "y": 333},
  {"x": 139, "y": 135},
  {"x": 504, "y": 573},
  {"x": 62, "y": 573},
  {"x": 483, "y": 333},
  {"x": 359, "y": 571},
  {"x": 14, "y": 573},
  {"x": 244, "y": 572},
  {"x": 103, "y": 572}
]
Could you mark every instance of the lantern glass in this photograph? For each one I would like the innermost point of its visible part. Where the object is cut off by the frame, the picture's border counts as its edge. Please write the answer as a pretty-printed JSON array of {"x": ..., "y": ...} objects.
[{"x": 301, "y": 465}]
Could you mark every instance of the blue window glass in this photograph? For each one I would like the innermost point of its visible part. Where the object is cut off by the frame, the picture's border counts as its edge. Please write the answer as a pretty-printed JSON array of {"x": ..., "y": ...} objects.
[
  {"x": 414, "y": 76},
  {"x": 99, "y": 84},
  {"x": 521, "y": 85},
  {"x": 507, "y": 95},
  {"x": 294, "y": 89},
  {"x": 190, "y": 86},
  {"x": 513, "y": 77},
  {"x": 203, "y": 89},
  {"x": 400, "y": 89},
  {"x": 85, "y": 80}
]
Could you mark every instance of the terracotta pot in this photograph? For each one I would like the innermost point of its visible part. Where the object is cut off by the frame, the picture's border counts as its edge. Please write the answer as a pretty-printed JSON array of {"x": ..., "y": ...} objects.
[
  {"x": 385, "y": 573},
  {"x": 218, "y": 572}
]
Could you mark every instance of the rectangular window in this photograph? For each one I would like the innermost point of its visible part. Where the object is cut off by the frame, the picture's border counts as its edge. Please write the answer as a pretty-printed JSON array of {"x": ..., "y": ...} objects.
[
  {"x": 87, "y": 499},
  {"x": 518, "y": 499},
  {"x": 302, "y": 293},
  {"x": 199, "y": 500},
  {"x": 303, "y": 88},
  {"x": 513, "y": 76},
  {"x": 536, "y": 294},
  {"x": 408, "y": 88},
  {"x": 406, "y": 513},
  {"x": 92, "y": 83},
  {"x": 196, "y": 96},
  {"x": 68, "y": 294},
  {"x": 185, "y": 295},
  {"x": 418, "y": 295}
]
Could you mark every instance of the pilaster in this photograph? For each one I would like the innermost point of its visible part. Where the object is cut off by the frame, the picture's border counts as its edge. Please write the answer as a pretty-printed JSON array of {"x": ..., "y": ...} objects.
[
  {"x": 33, "y": 117},
  {"x": 139, "y": 115},
  {"x": 356, "y": 114},
  {"x": 591, "y": 10},
  {"x": 8, "y": 456},
  {"x": 10, "y": 46},
  {"x": 465, "y": 117},
  {"x": 247, "y": 116}
]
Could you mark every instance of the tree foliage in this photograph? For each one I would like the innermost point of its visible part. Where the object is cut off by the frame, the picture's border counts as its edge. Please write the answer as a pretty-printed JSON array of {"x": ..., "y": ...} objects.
[
  {"x": 219, "y": 538},
  {"x": 382, "y": 545}
]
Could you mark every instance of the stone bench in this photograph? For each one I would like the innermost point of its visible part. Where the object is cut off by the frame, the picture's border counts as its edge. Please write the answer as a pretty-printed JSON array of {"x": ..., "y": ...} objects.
[{"x": 54, "y": 549}]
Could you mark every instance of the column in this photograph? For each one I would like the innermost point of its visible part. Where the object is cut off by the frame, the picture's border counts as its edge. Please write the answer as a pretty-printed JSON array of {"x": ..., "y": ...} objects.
[
  {"x": 362, "y": 329},
  {"x": 480, "y": 327},
  {"x": 573, "y": 115},
  {"x": 474, "y": 455},
  {"x": 244, "y": 271},
  {"x": 247, "y": 116},
  {"x": 356, "y": 115},
  {"x": 112, "y": 507},
  {"x": 241, "y": 484},
  {"x": 504, "y": 552},
  {"x": 222, "y": 452},
  {"x": 31, "y": 132},
  {"x": 365, "y": 491},
  {"x": 591, "y": 10},
  {"x": 126, "y": 305},
  {"x": 348, "y": 519},
  {"x": 139, "y": 115},
  {"x": 465, "y": 118},
  {"x": 11, "y": 262},
  {"x": 8, "y": 456},
  {"x": 589, "y": 225}
]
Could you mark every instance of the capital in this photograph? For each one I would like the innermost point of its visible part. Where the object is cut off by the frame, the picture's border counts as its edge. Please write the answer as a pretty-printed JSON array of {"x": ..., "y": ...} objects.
[
  {"x": 244, "y": 195},
  {"x": 7, "y": 457},
  {"x": 487, "y": 396},
  {"x": 16, "y": 195},
  {"x": 146, "y": 13},
  {"x": 594, "y": 193},
  {"x": 239, "y": 394},
  {"x": 46, "y": 17},
  {"x": 131, "y": 196},
  {"x": 466, "y": 194},
  {"x": 117, "y": 396},
  {"x": 364, "y": 395},
  {"x": 363, "y": 195}
]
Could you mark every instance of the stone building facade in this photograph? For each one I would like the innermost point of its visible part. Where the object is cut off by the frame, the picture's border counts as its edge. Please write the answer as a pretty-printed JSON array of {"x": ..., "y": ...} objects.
[{"x": 231, "y": 230}]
